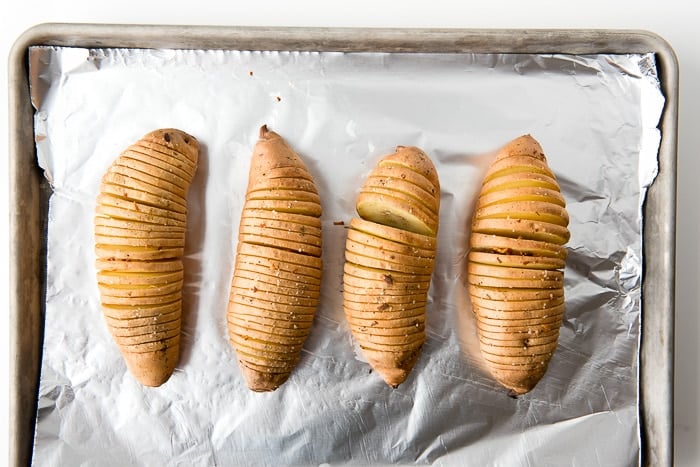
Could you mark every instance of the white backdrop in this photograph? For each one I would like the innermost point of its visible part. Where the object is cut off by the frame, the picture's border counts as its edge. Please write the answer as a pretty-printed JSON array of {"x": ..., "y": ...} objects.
[{"x": 674, "y": 20}]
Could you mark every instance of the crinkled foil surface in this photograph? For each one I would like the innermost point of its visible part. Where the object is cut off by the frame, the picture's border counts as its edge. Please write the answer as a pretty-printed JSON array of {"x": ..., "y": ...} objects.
[{"x": 595, "y": 116}]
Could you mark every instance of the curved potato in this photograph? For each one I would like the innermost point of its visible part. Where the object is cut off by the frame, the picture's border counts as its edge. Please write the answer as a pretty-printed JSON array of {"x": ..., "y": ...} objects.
[
  {"x": 275, "y": 287},
  {"x": 140, "y": 225}
]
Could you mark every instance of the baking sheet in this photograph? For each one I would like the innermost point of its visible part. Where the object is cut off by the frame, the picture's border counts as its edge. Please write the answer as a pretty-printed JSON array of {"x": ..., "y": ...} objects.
[{"x": 596, "y": 117}]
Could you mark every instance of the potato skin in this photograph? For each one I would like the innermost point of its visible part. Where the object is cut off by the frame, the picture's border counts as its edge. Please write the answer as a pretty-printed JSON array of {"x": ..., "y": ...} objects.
[
  {"x": 515, "y": 266},
  {"x": 140, "y": 223}
]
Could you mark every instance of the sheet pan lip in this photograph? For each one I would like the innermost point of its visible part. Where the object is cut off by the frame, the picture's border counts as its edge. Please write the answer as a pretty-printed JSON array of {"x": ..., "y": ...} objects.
[
  {"x": 501, "y": 40},
  {"x": 657, "y": 437}
]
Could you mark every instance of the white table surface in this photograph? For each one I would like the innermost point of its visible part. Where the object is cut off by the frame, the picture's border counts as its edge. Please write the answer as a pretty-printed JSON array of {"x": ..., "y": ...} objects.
[{"x": 674, "y": 20}]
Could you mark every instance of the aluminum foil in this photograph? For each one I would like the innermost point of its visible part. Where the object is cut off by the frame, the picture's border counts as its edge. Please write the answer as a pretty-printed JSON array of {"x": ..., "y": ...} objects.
[{"x": 595, "y": 116}]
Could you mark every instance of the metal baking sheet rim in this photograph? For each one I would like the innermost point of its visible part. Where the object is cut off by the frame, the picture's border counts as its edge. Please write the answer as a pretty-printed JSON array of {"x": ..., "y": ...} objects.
[{"x": 29, "y": 191}]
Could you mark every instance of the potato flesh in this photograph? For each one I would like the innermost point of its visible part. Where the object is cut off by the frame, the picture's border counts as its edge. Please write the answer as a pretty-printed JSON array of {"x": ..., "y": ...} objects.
[
  {"x": 396, "y": 212},
  {"x": 515, "y": 266},
  {"x": 389, "y": 259},
  {"x": 275, "y": 287},
  {"x": 140, "y": 225}
]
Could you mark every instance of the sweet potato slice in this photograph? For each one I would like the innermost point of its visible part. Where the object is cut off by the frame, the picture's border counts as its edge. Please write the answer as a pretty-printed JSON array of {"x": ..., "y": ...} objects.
[
  {"x": 374, "y": 241},
  {"x": 516, "y": 261},
  {"x": 406, "y": 190},
  {"x": 515, "y": 295},
  {"x": 382, "y": 231},
  {"x": 522, "y": 194},
  {"x": 397, "y": 212},
  {"x": 492, "y": 243}
]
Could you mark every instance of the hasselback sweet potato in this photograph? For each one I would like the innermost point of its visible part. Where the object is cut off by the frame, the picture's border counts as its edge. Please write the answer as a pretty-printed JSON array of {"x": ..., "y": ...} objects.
[
  {"x": 277, "y": 274},
  {"x": 389, "y": 258},
  {"x": 140, "y": 225},
  {"x": 516, "y": 264}
]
